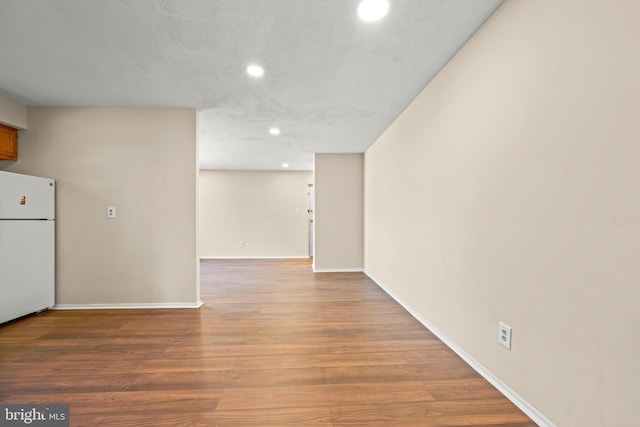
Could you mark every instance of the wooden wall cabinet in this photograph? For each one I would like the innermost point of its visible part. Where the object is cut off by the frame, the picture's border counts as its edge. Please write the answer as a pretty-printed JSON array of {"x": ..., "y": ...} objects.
[{"x": 8, "y": 143}]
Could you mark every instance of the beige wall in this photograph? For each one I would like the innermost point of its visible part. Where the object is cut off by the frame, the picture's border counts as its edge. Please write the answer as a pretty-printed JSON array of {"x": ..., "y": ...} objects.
[
  {"x": 144, "y": 162},
  {"x": 508, "y": 191},
  {"x": 267, "y": 210},
  {"x": 339, "y": 202},
  {"x": 12, "y": 113}
]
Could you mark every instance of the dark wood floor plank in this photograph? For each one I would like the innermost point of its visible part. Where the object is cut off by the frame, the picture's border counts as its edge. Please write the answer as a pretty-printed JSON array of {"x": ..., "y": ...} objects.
[
  {"x": 288, "y": 417},
  {"x": 130, "y": 402},
  {"x": 474, "y": 388},
  {"x": 230, "y": 379},
  {"x": 323, "y": 395},
  {"x": 435, "y": 413},
  {"x": 274, "y": 345}
]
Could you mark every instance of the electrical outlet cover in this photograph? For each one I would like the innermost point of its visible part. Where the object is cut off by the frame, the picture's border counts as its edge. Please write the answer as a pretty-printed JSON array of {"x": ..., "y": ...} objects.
[
  {"x": 111, "y": 212},
  {"x": 504, "y": 335}
]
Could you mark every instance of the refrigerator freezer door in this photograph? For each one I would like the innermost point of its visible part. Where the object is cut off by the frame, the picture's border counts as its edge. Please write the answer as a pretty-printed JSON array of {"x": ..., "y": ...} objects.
[
  {"x": 26, "y": 197},
  {"x": 27, "y": 267}
]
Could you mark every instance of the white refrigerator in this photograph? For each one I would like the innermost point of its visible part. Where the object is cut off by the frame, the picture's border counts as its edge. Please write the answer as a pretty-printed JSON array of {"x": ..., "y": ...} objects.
[{"x": 27, "y": 244}]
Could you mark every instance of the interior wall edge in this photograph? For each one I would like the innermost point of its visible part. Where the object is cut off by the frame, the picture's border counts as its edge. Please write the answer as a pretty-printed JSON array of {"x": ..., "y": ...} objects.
[
  {"x": 256, "y": 257},
  {"x": 127, "y": 306},
  {"x": 338, "y": 270}
]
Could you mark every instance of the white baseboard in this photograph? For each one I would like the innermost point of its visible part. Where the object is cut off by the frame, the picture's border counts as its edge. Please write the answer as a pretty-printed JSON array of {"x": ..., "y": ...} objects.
[
  {"x": 254, "y": 257},
  {"x": 337, "y": 270},
  {"x": 514, "y": 397},
  {"x": 125, "y": 306}
]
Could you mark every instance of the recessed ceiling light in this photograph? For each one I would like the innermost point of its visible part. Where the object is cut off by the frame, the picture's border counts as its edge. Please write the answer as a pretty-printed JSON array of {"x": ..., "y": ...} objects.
[
  {"x": 285, "y": 165},
  {"x": 372, "y": 10},
  {"x": 274, "y": 131},
  {"x": 255, "y": 71}
]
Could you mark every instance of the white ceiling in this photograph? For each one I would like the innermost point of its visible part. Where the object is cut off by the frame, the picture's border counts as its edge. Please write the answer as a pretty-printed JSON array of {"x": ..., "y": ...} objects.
[{"x": 332, "y": 83}]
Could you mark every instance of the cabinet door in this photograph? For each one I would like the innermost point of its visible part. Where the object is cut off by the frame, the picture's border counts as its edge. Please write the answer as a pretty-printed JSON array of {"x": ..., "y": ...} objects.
[{"x": 8, "y": 143}]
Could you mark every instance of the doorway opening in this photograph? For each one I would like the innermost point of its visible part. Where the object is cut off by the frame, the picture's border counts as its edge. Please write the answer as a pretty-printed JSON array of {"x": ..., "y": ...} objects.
[{"x": 310, "y": 212}]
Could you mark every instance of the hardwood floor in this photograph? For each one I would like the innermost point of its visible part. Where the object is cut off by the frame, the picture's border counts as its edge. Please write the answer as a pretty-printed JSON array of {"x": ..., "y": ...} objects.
[{"x": 274, "y": 345}]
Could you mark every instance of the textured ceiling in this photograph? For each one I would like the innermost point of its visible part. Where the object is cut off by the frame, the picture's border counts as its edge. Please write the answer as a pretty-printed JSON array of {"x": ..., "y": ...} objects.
[{"x": 332, "y": 83}]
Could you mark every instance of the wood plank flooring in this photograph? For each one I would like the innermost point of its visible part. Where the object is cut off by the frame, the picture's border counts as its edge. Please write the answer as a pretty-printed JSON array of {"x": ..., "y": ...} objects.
[{"x": 274, "y": 345}]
